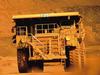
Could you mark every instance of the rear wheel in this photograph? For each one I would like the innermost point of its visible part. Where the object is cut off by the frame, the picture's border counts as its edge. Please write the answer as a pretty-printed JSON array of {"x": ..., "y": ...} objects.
[
  {"x": 75, "y": 58},
  {"x": 67, "y": 61},
  {"x": 22, "y": 59}
]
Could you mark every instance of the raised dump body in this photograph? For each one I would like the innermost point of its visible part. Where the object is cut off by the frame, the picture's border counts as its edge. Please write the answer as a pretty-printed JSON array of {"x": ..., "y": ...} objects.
[{"x": 51, "y": 36}]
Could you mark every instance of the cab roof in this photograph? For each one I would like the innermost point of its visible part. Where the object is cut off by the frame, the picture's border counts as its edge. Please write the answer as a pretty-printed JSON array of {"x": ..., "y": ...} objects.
[{"x": 46, "y": 15}]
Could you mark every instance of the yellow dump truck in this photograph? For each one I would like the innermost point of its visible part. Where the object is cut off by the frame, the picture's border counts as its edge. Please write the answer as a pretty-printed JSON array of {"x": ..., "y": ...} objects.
[{"x": 49, "y": 37}]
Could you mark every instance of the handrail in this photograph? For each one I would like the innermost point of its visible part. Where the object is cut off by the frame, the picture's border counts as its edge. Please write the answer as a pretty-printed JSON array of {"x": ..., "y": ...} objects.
[{"x": 37, "y": 40}]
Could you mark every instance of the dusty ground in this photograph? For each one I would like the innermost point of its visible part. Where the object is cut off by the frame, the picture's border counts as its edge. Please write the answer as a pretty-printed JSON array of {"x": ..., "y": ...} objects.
[{"x": 8, "y": 65}]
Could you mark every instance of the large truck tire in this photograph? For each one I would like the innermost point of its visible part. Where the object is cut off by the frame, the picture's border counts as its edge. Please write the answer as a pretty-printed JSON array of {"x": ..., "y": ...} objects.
[
  {"x": 75, "y": 58},
  {"x": 22, "y": 60}
]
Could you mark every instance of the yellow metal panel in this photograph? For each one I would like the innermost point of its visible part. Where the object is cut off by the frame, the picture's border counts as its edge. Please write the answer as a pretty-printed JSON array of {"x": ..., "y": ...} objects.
[
  {"x": 45, "y": 35},
  {"x": 46, "y": 15},
  {"x": 49, "y": 57}
]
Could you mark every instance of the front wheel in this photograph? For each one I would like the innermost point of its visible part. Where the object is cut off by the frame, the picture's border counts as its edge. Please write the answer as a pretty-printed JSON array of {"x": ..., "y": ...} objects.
[{"x": 22, "y": 59}]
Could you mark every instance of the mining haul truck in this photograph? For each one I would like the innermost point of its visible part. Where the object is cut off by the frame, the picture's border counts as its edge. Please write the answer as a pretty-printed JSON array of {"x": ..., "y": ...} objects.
[{"x": 49, "y": 37}]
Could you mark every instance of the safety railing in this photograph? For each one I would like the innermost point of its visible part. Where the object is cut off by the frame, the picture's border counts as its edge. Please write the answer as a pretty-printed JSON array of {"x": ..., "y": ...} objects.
[{"x": 38, "y": 41}]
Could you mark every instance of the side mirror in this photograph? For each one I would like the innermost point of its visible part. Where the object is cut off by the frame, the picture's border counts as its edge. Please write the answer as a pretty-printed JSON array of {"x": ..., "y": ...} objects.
[{"x": 13, "y": 30}]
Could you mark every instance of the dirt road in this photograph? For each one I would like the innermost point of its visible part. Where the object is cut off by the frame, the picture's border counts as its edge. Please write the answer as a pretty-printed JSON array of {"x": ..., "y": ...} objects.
[{"x": 8, "y": 66}]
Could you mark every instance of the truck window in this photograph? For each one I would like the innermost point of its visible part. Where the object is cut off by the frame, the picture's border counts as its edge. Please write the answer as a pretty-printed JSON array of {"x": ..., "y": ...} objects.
[
  {"x": 21, "y": 30},
  {"x": 45, "y": 28}
]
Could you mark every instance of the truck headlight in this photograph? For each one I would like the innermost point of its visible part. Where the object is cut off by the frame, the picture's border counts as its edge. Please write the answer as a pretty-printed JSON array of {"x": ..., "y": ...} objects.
[{"x": 67, "y": 38}]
